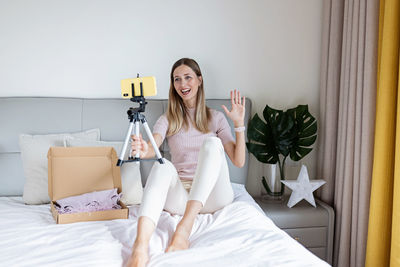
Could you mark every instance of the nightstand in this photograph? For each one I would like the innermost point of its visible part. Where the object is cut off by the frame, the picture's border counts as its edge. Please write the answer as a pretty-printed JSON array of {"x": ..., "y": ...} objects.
[{"x": 312, "y": 227}]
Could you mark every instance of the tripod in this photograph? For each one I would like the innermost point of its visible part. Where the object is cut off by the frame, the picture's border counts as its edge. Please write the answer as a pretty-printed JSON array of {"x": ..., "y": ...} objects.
[{"x": 135, "y": 116}]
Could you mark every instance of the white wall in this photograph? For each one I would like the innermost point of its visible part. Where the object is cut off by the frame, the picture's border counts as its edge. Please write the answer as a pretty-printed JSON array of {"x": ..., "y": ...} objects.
[{"x": 268, "y": 49}]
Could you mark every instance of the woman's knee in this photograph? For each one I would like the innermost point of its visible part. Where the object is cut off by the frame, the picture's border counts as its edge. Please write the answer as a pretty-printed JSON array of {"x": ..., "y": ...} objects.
[
  {"x": 167, "y": 166},
  {"x": 212, "y": 143},
  {"x": 162, "y": 171}
]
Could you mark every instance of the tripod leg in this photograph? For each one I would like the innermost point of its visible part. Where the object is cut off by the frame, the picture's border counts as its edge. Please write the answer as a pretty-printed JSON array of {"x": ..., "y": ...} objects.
[
  {"x": 122, "y": 154},
  {"x": 153, "y": 142},
  {"x": 137, "y": 156}
]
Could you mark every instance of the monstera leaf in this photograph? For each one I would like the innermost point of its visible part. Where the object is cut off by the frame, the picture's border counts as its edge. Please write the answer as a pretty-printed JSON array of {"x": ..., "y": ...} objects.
[
  {"x": 305, "y": 129},
  {"x": 272, "y": 138}
]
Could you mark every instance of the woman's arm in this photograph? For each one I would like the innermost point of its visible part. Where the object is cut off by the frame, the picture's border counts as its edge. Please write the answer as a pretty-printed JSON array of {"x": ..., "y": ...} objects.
[{"x": 236, "y": 151}]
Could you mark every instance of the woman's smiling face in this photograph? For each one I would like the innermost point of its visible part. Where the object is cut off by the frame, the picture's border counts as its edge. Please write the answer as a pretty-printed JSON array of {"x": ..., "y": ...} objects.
[{"x": 186, "y": 84}]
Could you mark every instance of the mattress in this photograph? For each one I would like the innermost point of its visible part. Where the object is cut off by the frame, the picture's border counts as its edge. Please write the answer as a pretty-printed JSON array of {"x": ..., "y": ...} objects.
[{"x": 237, "y": 235}]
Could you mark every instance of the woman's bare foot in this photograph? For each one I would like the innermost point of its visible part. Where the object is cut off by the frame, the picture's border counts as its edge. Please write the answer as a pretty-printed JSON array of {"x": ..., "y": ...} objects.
[
  {"x": 139, "y": 257},
  {"x": 180, "y": 241}
]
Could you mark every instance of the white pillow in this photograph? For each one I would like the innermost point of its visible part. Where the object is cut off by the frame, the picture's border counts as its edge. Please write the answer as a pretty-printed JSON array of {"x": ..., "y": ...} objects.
[
  {"x": 34, "y": 150},
  {"x": 132, "y": 189}
]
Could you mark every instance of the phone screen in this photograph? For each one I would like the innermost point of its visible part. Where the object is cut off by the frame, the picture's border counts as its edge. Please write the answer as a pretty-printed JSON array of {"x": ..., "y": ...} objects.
[{"x": 131, "y": 87}]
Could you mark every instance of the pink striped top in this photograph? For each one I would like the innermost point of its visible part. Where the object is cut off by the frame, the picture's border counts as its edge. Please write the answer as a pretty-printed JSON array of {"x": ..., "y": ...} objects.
[{"x": 185, "y": 145}]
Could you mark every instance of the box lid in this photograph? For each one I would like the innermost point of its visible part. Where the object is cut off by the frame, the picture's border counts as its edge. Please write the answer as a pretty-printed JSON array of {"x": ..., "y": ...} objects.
[{"x": 78, "y": 170}]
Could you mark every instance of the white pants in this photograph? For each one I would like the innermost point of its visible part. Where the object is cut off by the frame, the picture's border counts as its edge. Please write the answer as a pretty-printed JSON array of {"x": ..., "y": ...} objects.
[{"x": 211, "y": 184}]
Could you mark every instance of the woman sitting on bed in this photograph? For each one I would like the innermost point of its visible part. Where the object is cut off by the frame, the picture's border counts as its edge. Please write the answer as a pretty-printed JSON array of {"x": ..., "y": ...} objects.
[{"x": 197, "y": 180}]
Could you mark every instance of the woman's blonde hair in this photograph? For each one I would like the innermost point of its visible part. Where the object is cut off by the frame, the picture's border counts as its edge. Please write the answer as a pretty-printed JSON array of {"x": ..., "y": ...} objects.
[{"x": 177, "y": 113}]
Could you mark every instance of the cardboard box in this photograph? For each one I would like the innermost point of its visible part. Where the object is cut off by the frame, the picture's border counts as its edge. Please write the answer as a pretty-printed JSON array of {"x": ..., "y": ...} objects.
[{"x": 78, "y": 170}]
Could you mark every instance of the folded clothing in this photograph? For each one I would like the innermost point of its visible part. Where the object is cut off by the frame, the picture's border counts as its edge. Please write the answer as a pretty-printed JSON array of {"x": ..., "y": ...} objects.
[{"x": 89, "y": 202}]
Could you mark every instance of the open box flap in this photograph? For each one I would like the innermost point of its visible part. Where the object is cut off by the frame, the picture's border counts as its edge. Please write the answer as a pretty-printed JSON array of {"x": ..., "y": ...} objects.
[{"x": 78, "y": 170}]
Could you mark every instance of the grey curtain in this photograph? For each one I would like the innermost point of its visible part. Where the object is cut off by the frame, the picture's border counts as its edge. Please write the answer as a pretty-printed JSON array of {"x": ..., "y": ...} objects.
[{"x": 347, "y": 119}]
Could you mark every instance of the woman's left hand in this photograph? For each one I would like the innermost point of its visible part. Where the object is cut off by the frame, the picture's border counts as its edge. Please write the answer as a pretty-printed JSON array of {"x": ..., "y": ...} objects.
[{"x": 237, "y": 112}]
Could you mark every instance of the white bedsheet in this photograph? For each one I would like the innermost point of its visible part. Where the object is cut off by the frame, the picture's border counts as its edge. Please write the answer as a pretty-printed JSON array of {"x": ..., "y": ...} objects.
[{"x": 238, "y": 235}]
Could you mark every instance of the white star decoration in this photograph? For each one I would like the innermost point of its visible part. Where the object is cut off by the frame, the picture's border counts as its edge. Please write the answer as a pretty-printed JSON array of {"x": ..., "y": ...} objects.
[{"x": 302, "y": 188}]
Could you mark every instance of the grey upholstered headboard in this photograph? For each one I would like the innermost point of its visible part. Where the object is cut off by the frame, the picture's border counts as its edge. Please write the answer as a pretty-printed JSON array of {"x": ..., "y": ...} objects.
[{"x": 46, "y": 115}]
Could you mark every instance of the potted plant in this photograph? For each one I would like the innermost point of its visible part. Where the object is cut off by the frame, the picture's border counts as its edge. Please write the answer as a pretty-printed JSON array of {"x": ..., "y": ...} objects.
[{"x": 283, "y": 134}]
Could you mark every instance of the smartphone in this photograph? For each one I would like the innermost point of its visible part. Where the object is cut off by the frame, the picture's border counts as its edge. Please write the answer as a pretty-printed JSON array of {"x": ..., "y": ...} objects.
[{"x": 131, "y": 87}]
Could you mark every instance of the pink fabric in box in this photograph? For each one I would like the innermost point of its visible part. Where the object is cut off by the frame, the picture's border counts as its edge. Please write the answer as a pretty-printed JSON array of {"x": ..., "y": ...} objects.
[{"x": 89, "y": 202}]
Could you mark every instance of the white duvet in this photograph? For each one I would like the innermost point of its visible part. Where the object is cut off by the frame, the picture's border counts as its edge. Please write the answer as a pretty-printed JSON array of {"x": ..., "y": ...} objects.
[{"x": 238, "y": 235}]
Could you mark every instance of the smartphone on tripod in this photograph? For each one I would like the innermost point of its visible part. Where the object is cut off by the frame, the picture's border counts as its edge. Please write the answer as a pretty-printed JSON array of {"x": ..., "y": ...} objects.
[
  {"x": 136, "y": 89},
  {"x": 131, "y": 87}
]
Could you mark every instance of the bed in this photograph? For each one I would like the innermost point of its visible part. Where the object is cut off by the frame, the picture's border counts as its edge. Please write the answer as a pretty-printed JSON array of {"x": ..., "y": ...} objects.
[{"x": 238, "y": 235}]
